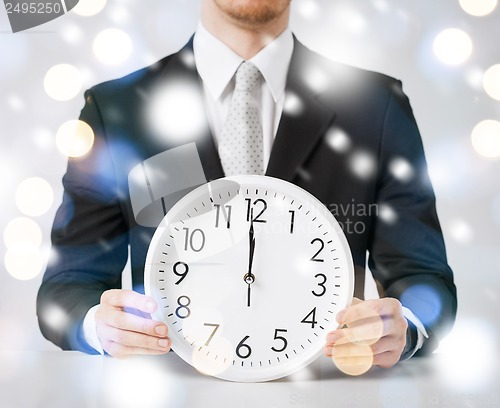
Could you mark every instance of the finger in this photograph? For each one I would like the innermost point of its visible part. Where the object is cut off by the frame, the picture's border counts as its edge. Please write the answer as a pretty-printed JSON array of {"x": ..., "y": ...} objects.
[
  {"x": 126, "y": 321},
  {"x": 137, "y": 340},
  {"x": 334, "y": 337},
  {"x": 128, "y": 298},
  {"x": 375, "y": 307},
  {"x": 120, "y": 350},
  {"x": 387, "y": 359},
  {"x": 368, "y": 331}
]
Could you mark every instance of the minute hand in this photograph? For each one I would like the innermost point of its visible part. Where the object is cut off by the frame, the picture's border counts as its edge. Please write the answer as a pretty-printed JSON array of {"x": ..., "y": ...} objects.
[{"x": 249, "y": 276}]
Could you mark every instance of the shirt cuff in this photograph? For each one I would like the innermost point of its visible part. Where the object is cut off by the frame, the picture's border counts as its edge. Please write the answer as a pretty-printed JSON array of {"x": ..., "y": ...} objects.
[
  {"x": 90, "y": 330},
  {"x": 421, "y": 332}
]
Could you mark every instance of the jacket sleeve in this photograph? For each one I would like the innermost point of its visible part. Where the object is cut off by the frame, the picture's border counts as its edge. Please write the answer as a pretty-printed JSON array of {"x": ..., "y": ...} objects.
[
  {"x": 89, "y": 241},
  {"x": 407, "y": 254}
]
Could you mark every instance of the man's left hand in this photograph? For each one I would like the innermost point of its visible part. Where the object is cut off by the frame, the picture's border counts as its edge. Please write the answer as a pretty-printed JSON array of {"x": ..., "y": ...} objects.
[{"x": 376, "y": 329}]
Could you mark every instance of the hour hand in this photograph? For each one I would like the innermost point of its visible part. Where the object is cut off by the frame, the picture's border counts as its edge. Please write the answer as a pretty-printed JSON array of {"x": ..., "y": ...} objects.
[{"x": 249, "y": 277}]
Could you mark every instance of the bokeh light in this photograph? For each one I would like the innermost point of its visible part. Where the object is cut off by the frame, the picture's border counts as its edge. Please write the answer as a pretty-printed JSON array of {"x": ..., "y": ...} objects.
[
  {"x": 486, "y": 138},
  {"x": 34, "y": 196},
  {"x": 350, "y": 19},
  {"x": 387, "y": 214},
  {"x": 461, "y": 231},
  {"x": 453, "y": 46},
  {"x": 293, "y": 105},
  {"x": 177, "y": 112},
  {"x": 63, "y": 82},
  {"x": 338, "y": 140},
  {"x": 15, "y": 102},
  {"x": 208, "y": 365},
  {"x": 466, "y": 357},
  {"x": 120, "y": 14},
  {"x": 426, "y": 300},
  {"x": 308, "y": 9},
  {"x": 491, "y": 81},
  {"x": 74, "y": 138},
  {"x": 354, "y": 359},
  {"x": 88, "y": 8},
  {"x": 363, "y": 164},
  {"x": 112, "y": 46},
  {"x": 22, "y": 230},
  {"x": 401, "y": 169},
  {"x": 72, "y": 34},
  {"x": 478, "y": 8},
  {"x": 24, "y": 261},
  {"x": 317, "y": 79}
]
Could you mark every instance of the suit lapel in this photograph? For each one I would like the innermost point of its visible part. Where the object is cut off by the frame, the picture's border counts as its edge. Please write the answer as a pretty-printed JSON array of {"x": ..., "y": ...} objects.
[{"x": 298, "y": 132}]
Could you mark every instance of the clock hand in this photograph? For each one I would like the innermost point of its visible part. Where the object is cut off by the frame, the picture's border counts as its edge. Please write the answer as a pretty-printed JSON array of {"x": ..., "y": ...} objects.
[{"x": 249, "y": 277}]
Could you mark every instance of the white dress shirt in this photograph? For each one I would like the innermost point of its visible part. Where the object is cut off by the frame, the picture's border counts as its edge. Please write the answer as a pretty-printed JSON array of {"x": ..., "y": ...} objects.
[{"x": 216, "y": 64}]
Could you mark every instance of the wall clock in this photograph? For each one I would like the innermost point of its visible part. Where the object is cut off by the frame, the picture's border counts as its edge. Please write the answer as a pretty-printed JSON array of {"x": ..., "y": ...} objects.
[{"x": 249, "y": 273}]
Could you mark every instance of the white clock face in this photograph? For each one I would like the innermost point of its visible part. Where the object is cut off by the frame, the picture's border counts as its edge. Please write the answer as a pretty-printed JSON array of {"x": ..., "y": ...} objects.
[{"x": 249, "y": 273}]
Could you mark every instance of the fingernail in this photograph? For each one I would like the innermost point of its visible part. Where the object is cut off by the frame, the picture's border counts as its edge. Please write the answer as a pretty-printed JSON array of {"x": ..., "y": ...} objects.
[
  {"x": 161, "y": 330},
  {"x": 163, "y": 343},
  {"x": 328, "y": 351},
  {"x": 332, "y": 337},
  {"x": 150, "y": 306}
]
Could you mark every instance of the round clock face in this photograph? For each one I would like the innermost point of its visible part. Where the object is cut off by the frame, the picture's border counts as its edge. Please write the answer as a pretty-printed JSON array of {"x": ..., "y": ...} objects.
[{"x": 249, "y": 273}]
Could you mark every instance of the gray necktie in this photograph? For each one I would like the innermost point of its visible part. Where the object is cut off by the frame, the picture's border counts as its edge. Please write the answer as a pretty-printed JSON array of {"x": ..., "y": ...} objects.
[{"x": 241, "y": 144}]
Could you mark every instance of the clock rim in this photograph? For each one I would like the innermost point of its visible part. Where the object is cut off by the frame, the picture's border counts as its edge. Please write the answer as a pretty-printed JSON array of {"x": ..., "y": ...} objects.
[{"x": 251, "y": 374}]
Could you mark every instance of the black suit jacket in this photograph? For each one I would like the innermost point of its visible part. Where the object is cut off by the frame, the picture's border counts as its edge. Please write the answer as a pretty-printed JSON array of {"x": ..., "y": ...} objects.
[{"x": 353, "y": 176}]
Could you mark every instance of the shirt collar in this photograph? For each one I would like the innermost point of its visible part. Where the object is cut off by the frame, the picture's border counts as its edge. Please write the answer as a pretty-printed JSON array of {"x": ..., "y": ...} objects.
[{"x": 217, "y": 63}]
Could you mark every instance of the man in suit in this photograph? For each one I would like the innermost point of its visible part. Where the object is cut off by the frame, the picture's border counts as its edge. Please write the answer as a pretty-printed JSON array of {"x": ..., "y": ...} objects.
[{"x": 345, "y": 140}]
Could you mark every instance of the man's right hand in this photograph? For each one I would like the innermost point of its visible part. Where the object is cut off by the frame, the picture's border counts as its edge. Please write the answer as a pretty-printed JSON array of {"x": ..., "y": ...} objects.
[{"x": 123, "y": 333}]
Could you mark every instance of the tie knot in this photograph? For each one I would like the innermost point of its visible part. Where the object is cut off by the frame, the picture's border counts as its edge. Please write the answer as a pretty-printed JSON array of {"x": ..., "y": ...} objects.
[{"x": 247, "y": 77}]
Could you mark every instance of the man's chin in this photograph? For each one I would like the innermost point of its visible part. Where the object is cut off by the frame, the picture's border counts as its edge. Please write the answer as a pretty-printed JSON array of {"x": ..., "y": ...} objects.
[{"x": 253, "y": 12}]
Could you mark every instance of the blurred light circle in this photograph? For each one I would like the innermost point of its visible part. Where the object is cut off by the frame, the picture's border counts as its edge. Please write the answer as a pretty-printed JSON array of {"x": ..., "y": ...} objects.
[
  {"x": 34, "y": 196},
  {"x": 363, "y": 165},
  {"x": 293, "y": 105},
  {"x": 112, "y": 46},
  {"x": 177, "y": 112},
  {"x": 355, "y": 358},
  {"x": 72, "y": 34},
  {"x": 453, "y": 46},
  {"x": 463, "y": 367},
  {"x": 491, "y": 82},
  {"x": 338, "y": 140},
  {"x": 24, "y": 261},
  {"x": 387, "y": 214},
  {"x": 486, "y": 138},
  {"x": 74, "y": 138},
  {"x": 308, "y": 9},
  {"x": 478, "y": 8},
  {"x": 63, "y": 82},
  {"x": 401, "y": 169},
  {"x": 22, "y": 230},
  {"x": 15, "y": 102},
  {"x": 461, "y": 231},
  {"x": 88, "y": 8}
]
